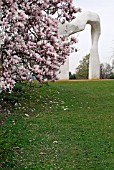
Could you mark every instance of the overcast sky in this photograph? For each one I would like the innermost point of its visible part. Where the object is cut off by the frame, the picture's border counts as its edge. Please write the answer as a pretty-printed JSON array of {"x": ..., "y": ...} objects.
[{"x": 105, "y": 9}]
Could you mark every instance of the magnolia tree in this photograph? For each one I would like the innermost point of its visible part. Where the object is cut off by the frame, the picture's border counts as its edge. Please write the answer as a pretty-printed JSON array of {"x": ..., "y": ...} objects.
[{"x": 30, "y": 45}]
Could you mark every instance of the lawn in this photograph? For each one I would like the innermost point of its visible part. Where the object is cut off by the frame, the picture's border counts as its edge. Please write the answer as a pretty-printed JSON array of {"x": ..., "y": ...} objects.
[{"x": 63, "y": 126}]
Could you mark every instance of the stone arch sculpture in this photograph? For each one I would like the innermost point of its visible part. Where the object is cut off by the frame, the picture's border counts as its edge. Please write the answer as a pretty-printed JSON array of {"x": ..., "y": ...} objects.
[{"x": 77, "y": 25}]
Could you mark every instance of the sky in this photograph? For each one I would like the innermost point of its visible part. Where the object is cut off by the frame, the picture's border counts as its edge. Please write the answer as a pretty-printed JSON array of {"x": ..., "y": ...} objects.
[{"x": 105, "y": 10}]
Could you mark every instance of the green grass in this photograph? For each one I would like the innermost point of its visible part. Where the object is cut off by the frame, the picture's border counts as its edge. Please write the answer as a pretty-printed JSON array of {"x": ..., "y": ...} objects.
[{"x": 63, "y": 126}]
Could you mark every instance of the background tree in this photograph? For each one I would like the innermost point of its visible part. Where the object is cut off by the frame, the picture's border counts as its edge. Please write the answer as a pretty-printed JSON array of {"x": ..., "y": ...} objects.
[
  {"x": 30, "y": 43},
  {"x": 72, "y": 76},
  {"x": 83, "y": 69},
  {"x": 106, "y": 71},
  {"x": 112, "y": 74},
  {"x": 113, "y": 65}
]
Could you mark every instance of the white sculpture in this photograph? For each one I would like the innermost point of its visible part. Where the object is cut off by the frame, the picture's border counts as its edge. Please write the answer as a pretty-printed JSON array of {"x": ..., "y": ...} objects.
[{"x": 78, "y": 25}]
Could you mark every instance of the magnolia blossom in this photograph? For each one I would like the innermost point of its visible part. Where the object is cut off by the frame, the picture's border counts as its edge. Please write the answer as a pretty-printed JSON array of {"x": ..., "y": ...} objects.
[{"x": 30, "y": 42}]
